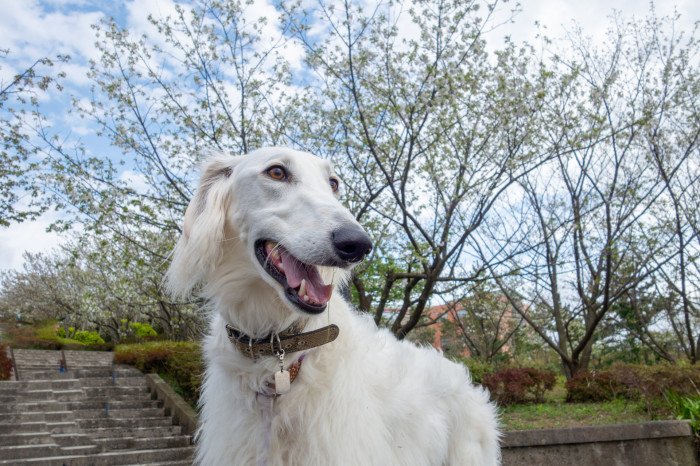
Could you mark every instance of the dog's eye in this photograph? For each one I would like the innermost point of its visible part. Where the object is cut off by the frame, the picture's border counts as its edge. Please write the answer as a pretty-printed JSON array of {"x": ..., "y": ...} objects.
[
  {"x": 277, "y": 173},
  {"x": 334, "y": 185}
]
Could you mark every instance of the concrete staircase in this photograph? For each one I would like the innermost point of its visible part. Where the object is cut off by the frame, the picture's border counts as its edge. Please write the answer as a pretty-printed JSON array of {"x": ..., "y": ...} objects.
[{"x": 93, "y": 414}]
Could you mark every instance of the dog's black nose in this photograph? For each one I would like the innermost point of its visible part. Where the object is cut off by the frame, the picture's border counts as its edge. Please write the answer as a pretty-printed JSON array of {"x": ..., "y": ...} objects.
[{"x": 351, "y": 243}]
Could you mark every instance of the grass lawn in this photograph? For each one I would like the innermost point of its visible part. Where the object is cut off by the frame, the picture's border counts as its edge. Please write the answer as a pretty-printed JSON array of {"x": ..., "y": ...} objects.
[
  {"x": 556, "y": 413},
  {"x": 552, "y": 415}
]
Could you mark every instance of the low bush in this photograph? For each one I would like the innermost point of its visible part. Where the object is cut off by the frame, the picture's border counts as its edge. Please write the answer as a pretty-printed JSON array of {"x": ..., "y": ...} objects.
[
  {"x": 636, "y": 382},
  {"x": 588, "y": 386},
  {"x": 527, "y": 384},
  {"x": 5, "y": 364},
  {"x": 48, "y": 336},
  {"x": 477, "y": 369},
  {"x": 27, "y": 337},
  {"x": 180, "y": 363},
  {"x": 142, "y": 330},
  {"x": 686, "y": 407},
  {"x": 88, "y": 338}
]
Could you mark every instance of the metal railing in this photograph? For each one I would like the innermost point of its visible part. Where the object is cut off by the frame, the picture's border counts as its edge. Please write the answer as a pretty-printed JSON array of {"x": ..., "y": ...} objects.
[{"x": 14, "y": 363}]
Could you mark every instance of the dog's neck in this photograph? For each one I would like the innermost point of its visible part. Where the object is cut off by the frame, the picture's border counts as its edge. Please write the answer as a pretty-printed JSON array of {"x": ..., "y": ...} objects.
[
  {"x": 291, "y": 340},
  {"x": 257, "y": 311}
]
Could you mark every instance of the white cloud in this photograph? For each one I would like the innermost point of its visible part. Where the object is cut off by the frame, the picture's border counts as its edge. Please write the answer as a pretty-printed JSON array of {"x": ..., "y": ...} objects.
[
  {"x": 31, "y": 32},
  {"x": 135, "y": 180},
  {"x": 27, "y": 236},
  {"x": 558, "y": 16}
]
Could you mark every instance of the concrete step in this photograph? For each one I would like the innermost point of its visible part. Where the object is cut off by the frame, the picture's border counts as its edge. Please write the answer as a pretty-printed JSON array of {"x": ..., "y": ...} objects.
[
  {"x": 46, "y": 438},
  {"x": 80, "y": 450},
  {"x": 68, "y": 395},
  {"x": 135, "y": 432},
  {"x": 34, "y": 406},
  {"x": 52, "y": 374},
  {"x": 142, "y": 443},
  {"x": 23, "y": 427},
  {"x": 35, "y": 395},
  {"x": 58, "y": 427},
  {"x": 15, "y": 452},
  {"x": 111, "y": 391},
  {"x": 150, "y": 457},
  {"x": 169, "y": 463},
  {"x": 117, "y": 381},
  {"x": 117, "y": 413},
  {"x": 65, "y": 427},
  {"x": 25, "y": 385},
  {"x": 25, "y": 438},
  {"x": 99, "y": 403},
  {"x": 72, "y": 439},
  {"x": 35, "y": 416},
  {"x": 50, "y": 406},
  {"x": 126, "y": 423}
]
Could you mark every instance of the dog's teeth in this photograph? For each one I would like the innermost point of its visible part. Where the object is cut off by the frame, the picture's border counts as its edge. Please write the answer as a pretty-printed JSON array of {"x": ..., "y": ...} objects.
[
  {"x": 302, "y": 288},
  {"x": 280, "y": 266},
  {"x": 306, "y": 298}
]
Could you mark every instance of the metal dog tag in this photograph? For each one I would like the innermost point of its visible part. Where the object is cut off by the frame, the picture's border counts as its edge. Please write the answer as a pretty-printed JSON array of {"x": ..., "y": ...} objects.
[{"x": 283, "y": 383}]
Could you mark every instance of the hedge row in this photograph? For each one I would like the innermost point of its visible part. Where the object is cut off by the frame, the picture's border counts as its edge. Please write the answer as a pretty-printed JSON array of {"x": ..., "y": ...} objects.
[
  {"x": 649, "y": 384},
  {"x": 522, "y": 385},
  {"x": 180, "y": 363},
  {"x": 5, "y": 364},
  {"x": 46, "y": 339}
]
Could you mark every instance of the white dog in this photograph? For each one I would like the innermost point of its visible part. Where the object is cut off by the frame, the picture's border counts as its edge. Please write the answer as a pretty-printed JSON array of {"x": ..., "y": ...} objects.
[{"x": 267, "y": 237}]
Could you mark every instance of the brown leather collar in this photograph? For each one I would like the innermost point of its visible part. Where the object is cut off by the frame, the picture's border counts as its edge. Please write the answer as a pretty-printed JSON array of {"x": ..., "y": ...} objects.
[{"x": 287, "y": 341}]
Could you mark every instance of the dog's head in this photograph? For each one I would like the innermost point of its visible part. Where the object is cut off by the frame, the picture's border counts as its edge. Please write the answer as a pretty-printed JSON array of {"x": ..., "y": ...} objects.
[{"x": 275, "y": 211}]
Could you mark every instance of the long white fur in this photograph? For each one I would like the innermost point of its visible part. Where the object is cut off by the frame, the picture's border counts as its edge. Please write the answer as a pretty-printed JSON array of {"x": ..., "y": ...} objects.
[{"x": 364, "y": 399}]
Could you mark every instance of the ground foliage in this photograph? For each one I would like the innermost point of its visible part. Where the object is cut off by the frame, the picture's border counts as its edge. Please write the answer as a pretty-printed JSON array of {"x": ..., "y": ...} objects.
[
  {"x": 45, "y": 336},
  {"x": 5, "y": 364},
  {"x": 650, "y": 385},
  {"x": 179, "y": 363},
  {"x": 519, "y": 385}
]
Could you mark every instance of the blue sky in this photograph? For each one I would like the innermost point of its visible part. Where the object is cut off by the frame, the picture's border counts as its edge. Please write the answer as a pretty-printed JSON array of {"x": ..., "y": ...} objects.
[{"x": 31, "y": 29}]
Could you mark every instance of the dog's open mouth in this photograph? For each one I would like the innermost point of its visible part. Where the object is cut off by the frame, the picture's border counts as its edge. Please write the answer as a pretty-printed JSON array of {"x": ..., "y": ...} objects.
[{"x": 302, "y": 282}]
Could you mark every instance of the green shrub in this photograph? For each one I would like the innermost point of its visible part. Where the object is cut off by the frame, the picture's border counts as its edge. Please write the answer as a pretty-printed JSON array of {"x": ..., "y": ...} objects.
[
  {"x": 27, "y": 337},
  {"x": 5, "y": 364},
  {"x": 477, "y": 369},
  {"x": 186, "y": 367},
  {"x": 142, "y": 330},
  {"x": 588, "y": 386},
  {"x": 48, "y": 336},
  {"x": 180, "y": 363},
  {"x": 88, "y": 338},
  {"x": 512, "y": 386},
  {"x": 654, "y": 381},
  {"x": 686, "y": 407},
  {"x": 648, "y": 384}
]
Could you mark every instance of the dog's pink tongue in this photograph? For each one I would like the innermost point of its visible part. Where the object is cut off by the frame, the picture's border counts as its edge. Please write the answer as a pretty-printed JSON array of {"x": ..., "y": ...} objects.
[{"x": 295, "y": 271}]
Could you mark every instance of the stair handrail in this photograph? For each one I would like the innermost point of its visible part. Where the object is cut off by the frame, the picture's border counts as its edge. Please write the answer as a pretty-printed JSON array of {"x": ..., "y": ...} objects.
[
  {"x": 63, "y": 360},
  {"x": 14, "y": 363}
]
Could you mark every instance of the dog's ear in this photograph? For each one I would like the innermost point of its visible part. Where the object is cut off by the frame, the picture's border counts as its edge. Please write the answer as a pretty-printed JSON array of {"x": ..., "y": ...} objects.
[{"x": 200, "y": 246}]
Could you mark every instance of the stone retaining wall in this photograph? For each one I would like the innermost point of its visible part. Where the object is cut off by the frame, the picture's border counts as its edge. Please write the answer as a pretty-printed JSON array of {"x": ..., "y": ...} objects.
[
  {"x": 648, "y": 443},
  {"x": 175, "y": 406},
  {"x": 655, "y": 443}
]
